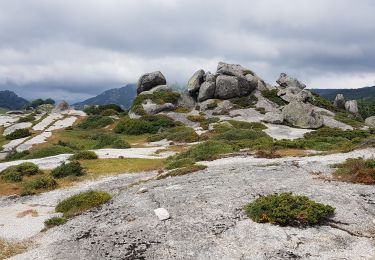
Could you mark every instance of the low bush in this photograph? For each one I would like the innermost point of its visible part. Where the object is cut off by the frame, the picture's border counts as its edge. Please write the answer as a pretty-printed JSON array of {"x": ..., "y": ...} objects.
[
  {"x": 47, "y": 151},
  {"x": 19, "y": 133},
  {"x": 320, "y": 101},
  {"x": 120, "y": 144},
  {"x": 182, "y": 171},
  {"x": 15, "y": 173},
  {"x": 356, "y": 170},
  {"x": 54, "y": 221},
  {"x": 81, "y": 202},
  {"x": 173, "y": 164},
  {"x": 160, "y": 98},
  {"x": 244, "y": 102},
  {"x": 145, "y": 124},
  {"x": 272, "y": 96},
  {"x": 240, "y": 134},
  {"x": 84, "y": 155},
  {"x": 97, "y": 110},
  {"x": 28, "y": 118},
  {"x": 210, "y": 120},
  {"x": 247, "y": 125},
  {"x": 287, "y": 209},
  {"x": 336, "y": 132},
  {"x": 109, "y": 112},
  {"x": 196, "y": 118},
  {"x": 176, "y": 134},
  {"x": 40, "y": 183},
  {"x": 69, "y": 145},
  {"x": 349, "y": 119},
  {"x": 95, "y": 121},
  {"x": 68, "y": 169},
  {"x": 14, "y": 155}
]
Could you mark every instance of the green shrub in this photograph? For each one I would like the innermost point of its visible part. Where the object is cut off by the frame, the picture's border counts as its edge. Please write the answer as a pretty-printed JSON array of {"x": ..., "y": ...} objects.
[
  {"x": 95, "y": 121},
  {"x": 96, "y": 110},
  {"x": 320, "y": 101},
  {"x": 173, "y": 164},
  {"x": 247, "y": 125},
  {"x": 176, "y": 134},
  {"x": 14, "y": 155},
  {"x": 182, "y": 171},
  {"x": 160, "y": 98},
  {"x": 120, "y": 144},
  {"x": 69, "y": 145},
  {"x": 47, "y": 151},
  {"x": 15, "y": 173},
  {"x": 31, "y": 187},
  {"x": 55, "y": 221},
  {"x": 104, "y": 139},
  {"x": 109, "y": 112},
  {"x": 349, "y": 119},
  {"x": 356, "y": 170},
  {"x": 244, "y": 102},
  {"x": 28, "y": 118},
  {"x": 19, "y": 133},
  {"x": 196, "y": 118},
  {"x": 84, "y": 155},
  {"x": 68, "y": 169},
  {"x": 287, "y": 209},
  {"x": 81, "y": 202},
  {"x": 240, "y": 134},
  {"x": 210, "y": 120},
  {"x": 143, "y": 125},
  {"x": 336, "y": 132},
  {"x": 272, "y": 96}
]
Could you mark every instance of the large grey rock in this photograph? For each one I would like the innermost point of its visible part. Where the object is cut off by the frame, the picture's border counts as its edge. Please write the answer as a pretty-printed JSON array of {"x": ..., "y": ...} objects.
[
  {"x": 227, "y": 87},
  {"x": 256, "y": 82},
  {"x": 209, "y": 77},
  {"x": 232, "y": 70},
  {"x": 295, "y": 94},
  {"x": 370, "y": 121},
  {"x": 17, "y": 126},
  {"x": 206, "y": 91},
  {"x": 339, "y": 101},
  {"x": 286, "y": 81},
  {"x": 156, "y": 89},
  {"x": 195, "y": 81},
  {"x": 186, "y": 101},
  {"x": 274, "y": 118},
  {"x": 302, "y": 115},
  {"x": 63, "y": 106},
  {"x": 150, "y": 80},
  {"x": 151, "y": 108},
  {"x": 351, "y": 106}
]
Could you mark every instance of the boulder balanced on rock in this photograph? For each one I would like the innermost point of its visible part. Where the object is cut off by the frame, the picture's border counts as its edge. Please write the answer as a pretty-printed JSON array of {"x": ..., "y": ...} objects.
[{"x": 150, "y": 80}]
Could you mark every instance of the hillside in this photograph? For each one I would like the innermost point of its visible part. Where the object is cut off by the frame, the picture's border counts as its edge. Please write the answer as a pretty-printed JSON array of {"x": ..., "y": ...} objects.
[
  {"x": 358, "y": 93},
  {"x": 10, "y": 100},
  {"x": 120, "y": 96}
]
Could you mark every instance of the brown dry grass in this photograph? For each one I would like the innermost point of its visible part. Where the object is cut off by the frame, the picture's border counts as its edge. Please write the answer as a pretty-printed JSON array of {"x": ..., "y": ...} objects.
[
  {"x": 356, "y": 170},
  {"x": 8, "y": 249},
  {"x": 31, "y": 212}
]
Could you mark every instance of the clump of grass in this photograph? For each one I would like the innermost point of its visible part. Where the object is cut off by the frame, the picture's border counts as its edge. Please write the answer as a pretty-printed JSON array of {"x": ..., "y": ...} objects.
[
  {"x": 55, "y": 221},
  {"x": 109, "y": 112},
  {"x": 95, "y": 121},
  {"x": 16, "y": 173},
  {"x": 146, "y": 124},
  {"x": 176, "y": 134},
  {"x": 196, "y": 118},
  {"x": 160, "y": 98},
  {"x": 120, "y": 144},
  {"x": 244, "y": 102},
  {"x": 182, "y": 110},
  {"x": 41, "y": 183},
  {"x": 173, "y": 164},
  {"x": 247, "y": 125},
  {"x": 320, "y": 101},
  {"x": 19, "y": 133},
  {"x": 182, "y": 171},
  {"x": 46, "y": 152},
  {"x": 84, "y": 155},
  {"x": 68, "y": 169},
  {"x": 210, "y": 120},
  {"x": 82, "y": 202},
  {"x": 286, "y": 209},
  {"x": 269, "y": 154},
  {"x": 272, "y": 96},
  {"x": 97, "y": 110},
  {"x": 349, "y": 119},
  {"x": 28, "y": 118},
  {"x": 9, "y": 249},
  {"x": 240, "y": 134},
  {"x": 356, "y": 170},
  {"x": 69, "y": 145}
]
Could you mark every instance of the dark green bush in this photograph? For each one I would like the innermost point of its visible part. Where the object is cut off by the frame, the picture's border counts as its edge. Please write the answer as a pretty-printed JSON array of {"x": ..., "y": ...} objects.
[
  {"x": 28, "y": 118},
  {"x": 69, "y": 145},
  {"x": 47, "y": 151},
  {"x": 336, "y": 132},
  {"x": 349, "y": 119},
  {"x": 95, "y": 121},
  {"x": 16, "y": 172},
  {"x": 176, "y": 134},
  {"x": 247, "y": 125},
  {"x": 96, "y": 110},
  {"x": 54, "y": 221},
  {"x": 240, "y": 134},
  {"x": 84, "y": 155},
  {"x": 109, "y": 112},
  {"x": 68, "y": 169},
  {"x": 19, "y": 133},
  {"x": 244, "y": 102},
  {"x": 81, "y": 202},
  {"x": 272, "y": 96},
  {"x": 41, "y": 183},
  {"x": 143, "y": 125},
  {"x": 287, "y": 209},
  {"x": 120, "y": 144}
]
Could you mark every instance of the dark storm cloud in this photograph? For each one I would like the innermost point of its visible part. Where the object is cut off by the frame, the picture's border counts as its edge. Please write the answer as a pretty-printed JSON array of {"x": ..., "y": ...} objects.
[{"x": 77, "y": 48}]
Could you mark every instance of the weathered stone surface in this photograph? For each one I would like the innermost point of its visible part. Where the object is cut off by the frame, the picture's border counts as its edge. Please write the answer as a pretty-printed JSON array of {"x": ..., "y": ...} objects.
[
  {"x": 351, "y": 106},
  {"x": 227, "y": 87},
  {"x": 17, "y": 126},
  {"x": 274, "y": 118},
  {"x": 208, "y": 104},
  {"x": 232, "y": 70},
  {"x": 206, "y": 91},
  {"x": 256, "y": 82},
  {"x": 195, "y": 81},
  {"x": 370, "y": 121},
  {"x": 63, "y": 106},
  {"x": 302, "y": 115},
  {"x": 150, "y": 80},
  {"x": 209, "y": 77},
  {"x": 151, "y": 108},
  {"x": 162, "y": 214},
  {"x": 156, "y": 89},
  {"x": 186, "y": 101},
  {"x": 339, "y": 101},
  {"x": 286, "y": 81}
]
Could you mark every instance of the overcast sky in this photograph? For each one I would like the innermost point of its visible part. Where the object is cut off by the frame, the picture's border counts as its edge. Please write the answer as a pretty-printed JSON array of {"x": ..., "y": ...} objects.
[{"x": 74, "y": 49}]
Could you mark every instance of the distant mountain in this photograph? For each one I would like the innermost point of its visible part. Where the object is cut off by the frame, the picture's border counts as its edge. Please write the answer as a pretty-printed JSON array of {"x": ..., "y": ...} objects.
[
  {"x": 10, "y": 100},
  {"x": 359, "y": 93},
  {"x": 120, "y": 96}
]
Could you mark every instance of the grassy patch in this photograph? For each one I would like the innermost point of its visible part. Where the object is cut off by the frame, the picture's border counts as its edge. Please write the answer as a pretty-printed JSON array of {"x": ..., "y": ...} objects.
[
  {"x": 182, "y": 171},
  {"x": 95, "y": 121},
  {"x": 68, "y": 169},
  {"x": 286, "y": 209},
  {"x": 97, "y": 110},
  {"x": 84, "y": 155},
  {"x": 356, "y": 170},
  {"x": 39, "y": 184},
  {"x": 320, "y": 101},
  {"x": 272, "y": 96},
  {"x": 160, "y": 98},
  {"x": 8, "y": 249},
  {"x": 349, "y": 119},
  {"x": 210, "y": 120},
  {"x": 196, "y": 118},
  {"x": 55, "y": 221},
  {"x": 176, "y": 134},
  {"x": 16, "y": 173},
  {"x": 244, "y": 102},
  {"x": 82, "y": 202},
  {"x": 144, "y": 125},
  {"x": 28, "y": 118},
  {"x": 19, "y": 133}
]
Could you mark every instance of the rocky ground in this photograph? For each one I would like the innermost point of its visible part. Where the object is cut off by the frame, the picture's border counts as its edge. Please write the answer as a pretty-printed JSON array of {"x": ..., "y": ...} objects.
[{"x": 206, "y": 216}]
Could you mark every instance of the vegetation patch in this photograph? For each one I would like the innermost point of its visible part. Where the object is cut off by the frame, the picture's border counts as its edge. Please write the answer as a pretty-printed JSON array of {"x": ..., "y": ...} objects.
[
  {"x": 103, "y": 110},
  {"x": 349, "y": 119},
  {"x": 28, "y": 118},
  {"x": 196, "y": 118},
  {"x": 210, "y": 120},
  {"x": 160, "y": 98},
  {"x": 182, "y": 171},
  {"x": 84, "y": 155},
  {"x": 15, "y": 173},
  {"x": 39, "y": 153},
  {"x": 55, "y": 221},
  {"x": 68, "y": 169},
  {"x": 272, "y": 96},
  {"x": 176, "y": 134},
  {"x": 95, "y": 121},
  {"x": 19, "y": 133},
  {"x": 173, "y": 164},
  {"x": 286, "y": 209},
  {"x": 39, "y": 184},
  {"x": 244, "y": 102},
  {"x": 146, "y": 124},
  {"x": 82, "y": 202},
  {"x": 320, "y": 101},
  {"x": 356, "y": 170},
  {"x": 9, "y": 249}
]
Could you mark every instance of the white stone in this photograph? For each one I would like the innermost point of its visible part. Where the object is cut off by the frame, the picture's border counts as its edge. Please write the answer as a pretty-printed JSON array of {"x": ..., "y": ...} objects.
[{"x": 162, "y": 213}]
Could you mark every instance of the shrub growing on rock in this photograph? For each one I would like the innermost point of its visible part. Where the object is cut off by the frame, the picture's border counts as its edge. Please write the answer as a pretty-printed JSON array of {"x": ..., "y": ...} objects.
[
  {"x": 16, "y": 172},
  {"x": 55, "y": 221},
  {"x": 68, "y": 169},
  {"x": 286, "y": 209},
  {"x": 19, "y": 133},
  {"x": 28, "y": 118},
  {"x": 144, "y": 125},
  {"x": 196, "y": 118},
  {"x": 272, "y": 96},
  {"x": 177, "y": 134},
  {"x": 356, "y": 170},
  {"x": 81, "y": 202},
  {"x": 95, "y": 121},
  {"x": 41, "y": 183},
  {"x": 84, "y": 155},
  {"x": 160, "y": 98}
]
